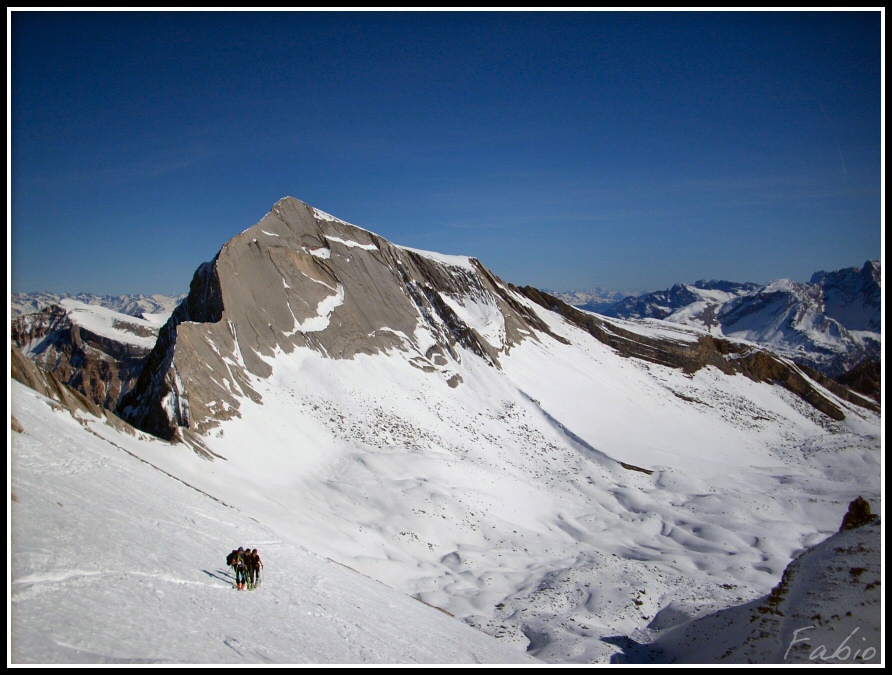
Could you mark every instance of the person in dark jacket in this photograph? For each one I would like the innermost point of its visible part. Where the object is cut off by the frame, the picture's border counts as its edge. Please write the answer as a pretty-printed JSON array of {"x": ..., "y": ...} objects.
[
  {"x": 258, "y": 565},
  {"x": 250, "y": 568},
  {"x": 241, "y": 578}
]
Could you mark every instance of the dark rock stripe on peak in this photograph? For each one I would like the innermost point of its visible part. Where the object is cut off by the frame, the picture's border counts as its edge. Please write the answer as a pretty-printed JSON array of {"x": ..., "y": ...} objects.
[{"x": 726, "y": 355}]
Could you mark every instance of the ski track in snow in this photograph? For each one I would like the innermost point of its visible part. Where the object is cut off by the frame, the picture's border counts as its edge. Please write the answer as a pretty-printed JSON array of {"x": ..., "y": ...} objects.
[
  {"x": 533, "y": 531},
  {"x": 568, "y": 504},
  {"x": 122, "y": 565}
]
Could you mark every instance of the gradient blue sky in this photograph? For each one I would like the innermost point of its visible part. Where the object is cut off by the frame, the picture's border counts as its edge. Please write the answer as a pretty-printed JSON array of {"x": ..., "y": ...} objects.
[{"x": 565, "y": 150}]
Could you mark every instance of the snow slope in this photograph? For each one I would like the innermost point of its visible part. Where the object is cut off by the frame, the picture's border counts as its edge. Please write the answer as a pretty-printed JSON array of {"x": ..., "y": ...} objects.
[
  {"x": 514, "y": 501},
  {"x": 415, "y": 419},
  {"x": 111, "y": 324},
  {"x": 826, "y": 610},
  {"x": 118, "y": 562}
]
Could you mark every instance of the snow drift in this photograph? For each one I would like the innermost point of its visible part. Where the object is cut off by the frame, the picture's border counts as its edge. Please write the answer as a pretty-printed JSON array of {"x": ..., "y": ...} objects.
[{"x": 553, "y": 478}]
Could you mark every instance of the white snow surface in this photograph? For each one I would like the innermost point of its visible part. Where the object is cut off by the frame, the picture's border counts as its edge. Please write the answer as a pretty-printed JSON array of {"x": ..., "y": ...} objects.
[
  {"x": 322, "y": 252},
  {"x": 157, "y": 320},
  {"x": 119, "y": 562},
  {"x": 322, "y": 215},
  {"x": 323, "y": 313},
  {"x": 462, "y": 261},
  {"x": 826, "y": 611},
  {"x": 352, "y": 244},
  {"x": 516, "y": 501},
  {"x": 483, "y": 314}
]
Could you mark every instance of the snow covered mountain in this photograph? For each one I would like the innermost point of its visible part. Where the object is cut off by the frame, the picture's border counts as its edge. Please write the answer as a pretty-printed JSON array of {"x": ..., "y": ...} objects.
[
  {"x": 693, "y": 304},
  {"x": 303, "y": 279},
  {"x": 832, "y": 323},
  {"x": 551, "y": 477},
  {"x": 153, "y": 308},
  {"x": 95, "y": 350}
]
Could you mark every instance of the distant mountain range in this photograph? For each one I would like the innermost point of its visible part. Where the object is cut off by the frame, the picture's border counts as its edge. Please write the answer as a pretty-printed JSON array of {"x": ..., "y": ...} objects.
[
  {"x": 574, "y": 485},
  {"x": 833, "y": 323},
  {"x": 595, "y": 300},
  {"x": 155, "y": 308}
]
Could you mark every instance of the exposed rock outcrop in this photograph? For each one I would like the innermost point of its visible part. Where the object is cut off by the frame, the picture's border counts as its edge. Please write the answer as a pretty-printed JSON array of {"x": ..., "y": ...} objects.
[
  {"x": 858, "y": 515},
  {"x": 301, "y": 278},
  {"x": 47, "y": 383},
  {"x": 830, "y": 324},
  {"x": 726, "y": 355},
  {"x": 865, "y": 378},
  {"x": 100, "y": 358}
]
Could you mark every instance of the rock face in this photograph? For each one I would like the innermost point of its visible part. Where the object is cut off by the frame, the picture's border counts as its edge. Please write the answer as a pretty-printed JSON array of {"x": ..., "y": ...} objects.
[
  {"x": 831, "y": 324},
  {"x": 728, "y": 356},
  {"x": 95, "y": 351},
  {"x": 44, "y": 382},
  {"x": 301, "y": 277},
  {"x": 858, "y": 515},
  {"x": 865, "y": 378}
]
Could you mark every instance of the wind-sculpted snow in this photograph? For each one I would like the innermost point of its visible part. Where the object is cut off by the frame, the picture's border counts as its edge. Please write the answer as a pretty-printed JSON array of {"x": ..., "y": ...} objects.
[
  {"x": 824, "y": 610},
  {"x": 550, "y": 477}
]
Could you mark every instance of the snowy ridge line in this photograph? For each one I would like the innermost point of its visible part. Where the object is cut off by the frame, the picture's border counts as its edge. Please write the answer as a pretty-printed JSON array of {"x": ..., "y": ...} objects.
[
  {"x": 322, "y": 215},
  {"x": 464, "y": 262},
  {"x": 352, "y": 244},
  {"x": 564, "y": 430}
]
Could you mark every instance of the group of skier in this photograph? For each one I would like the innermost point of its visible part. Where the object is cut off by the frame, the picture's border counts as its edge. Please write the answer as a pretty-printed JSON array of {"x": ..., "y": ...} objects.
[{"x": 246, "y": 564}]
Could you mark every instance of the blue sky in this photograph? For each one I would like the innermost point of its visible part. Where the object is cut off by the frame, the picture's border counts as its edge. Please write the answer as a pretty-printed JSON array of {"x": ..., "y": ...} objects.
[{"x": 565, "y": 150}]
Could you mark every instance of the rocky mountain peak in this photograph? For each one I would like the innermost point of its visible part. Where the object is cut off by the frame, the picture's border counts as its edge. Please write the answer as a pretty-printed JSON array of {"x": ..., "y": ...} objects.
[{"x": 303, "y": 278}]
